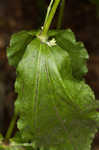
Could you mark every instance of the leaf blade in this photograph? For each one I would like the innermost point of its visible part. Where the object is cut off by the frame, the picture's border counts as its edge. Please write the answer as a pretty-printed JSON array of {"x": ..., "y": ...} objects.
[{"x": 47, "y": 106}]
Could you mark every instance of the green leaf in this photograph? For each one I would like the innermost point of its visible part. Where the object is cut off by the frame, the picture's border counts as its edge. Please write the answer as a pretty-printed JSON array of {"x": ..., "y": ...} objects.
[
  {"x": 78, "y": 54},
  {"x": 56, "y": 111},
  {"x": 18, "y": 44}
]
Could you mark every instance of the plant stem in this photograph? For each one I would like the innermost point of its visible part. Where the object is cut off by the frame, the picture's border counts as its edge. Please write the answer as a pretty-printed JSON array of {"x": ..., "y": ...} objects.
[
  {"x": 11, "y": 127},
  {"x": 61, "y": 12},
  {"x": 48, "y": 11},
  {"x": 50, "y": 17}
]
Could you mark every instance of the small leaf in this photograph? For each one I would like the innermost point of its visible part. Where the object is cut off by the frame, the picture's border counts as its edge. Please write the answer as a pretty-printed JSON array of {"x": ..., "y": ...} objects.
[{"x": 18, "y": 43}]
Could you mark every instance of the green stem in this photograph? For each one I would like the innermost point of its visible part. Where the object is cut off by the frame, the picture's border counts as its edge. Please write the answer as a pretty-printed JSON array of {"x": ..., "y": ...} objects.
[
  {"x": 48, "y": 11},
  {"x": 50, "y": 17},
  {"x": 11, "y": 127},
  {"x": 61, "y": 13}
]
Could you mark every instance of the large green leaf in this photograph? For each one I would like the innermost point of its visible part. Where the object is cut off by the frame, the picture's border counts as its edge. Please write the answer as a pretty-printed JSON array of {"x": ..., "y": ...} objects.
[
  {"x": 76, "y": 50},
  {"x": 56, "y": 111}
]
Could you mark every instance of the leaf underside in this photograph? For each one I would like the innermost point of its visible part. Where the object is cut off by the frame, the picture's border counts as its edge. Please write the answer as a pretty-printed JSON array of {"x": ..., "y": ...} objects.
[{"x": 57, "y": 108}]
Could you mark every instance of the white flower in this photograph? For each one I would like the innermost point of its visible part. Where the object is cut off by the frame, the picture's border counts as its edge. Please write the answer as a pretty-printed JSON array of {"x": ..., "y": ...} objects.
[{"x": 51, "y": 42}]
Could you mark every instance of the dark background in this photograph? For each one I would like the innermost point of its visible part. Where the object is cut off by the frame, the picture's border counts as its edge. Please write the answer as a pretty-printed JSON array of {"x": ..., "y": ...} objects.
[{"x": 81, "y": 16}]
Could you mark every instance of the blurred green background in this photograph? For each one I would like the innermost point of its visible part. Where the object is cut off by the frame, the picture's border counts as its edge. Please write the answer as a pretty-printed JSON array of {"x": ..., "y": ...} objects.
[{"x": 82, "y": 16}]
